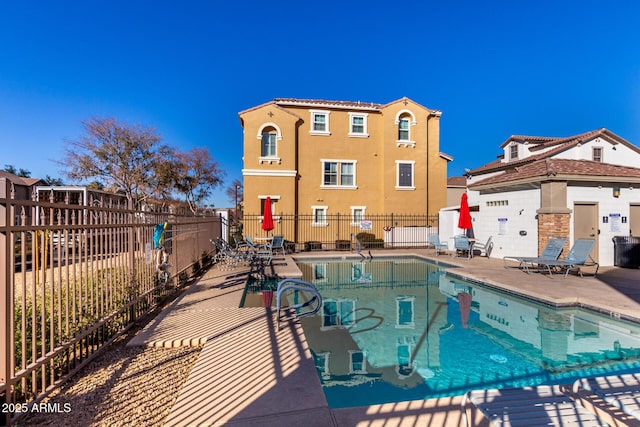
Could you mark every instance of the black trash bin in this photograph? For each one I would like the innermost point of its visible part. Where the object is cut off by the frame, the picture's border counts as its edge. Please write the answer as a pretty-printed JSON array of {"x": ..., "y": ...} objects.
[{"x": 626, "y": 251}]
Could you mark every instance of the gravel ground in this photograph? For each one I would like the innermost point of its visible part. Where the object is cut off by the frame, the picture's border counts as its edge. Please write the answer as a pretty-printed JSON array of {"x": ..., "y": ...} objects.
[{"x": 123, "y": 386}]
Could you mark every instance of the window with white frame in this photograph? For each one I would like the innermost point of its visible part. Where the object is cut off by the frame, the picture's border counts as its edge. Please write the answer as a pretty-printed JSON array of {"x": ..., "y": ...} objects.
[
  {"x": 513, "y": 152},
  {"x": 405, "y": 317},
  {"x": 319, "y": 122},
  {"x": 404, "y": 175},
  {"x": 263, "y": 202},
  {"x": 596, "y": 154},
  {"x": 269, "y": 134},
  {"x": 403, "y": 129},
  {"x": 337, "y": 312},
  {"x": 319, "y": 215},
  {"x": 357, "y": 362},
  {"x": 405, "y": 119},
  {"x": 322, "y": 363},
  {"x": 338, "y": 173},
  {"x": 357, "y": 214},
  {"x": 358, "y": 125},
  {"x": 320, "y": 272},
  {"x": 268, "y": 144}
]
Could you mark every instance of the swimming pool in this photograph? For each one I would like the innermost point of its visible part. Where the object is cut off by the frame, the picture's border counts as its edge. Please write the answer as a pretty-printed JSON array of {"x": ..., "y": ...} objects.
[{"x": 401, "y": 329}]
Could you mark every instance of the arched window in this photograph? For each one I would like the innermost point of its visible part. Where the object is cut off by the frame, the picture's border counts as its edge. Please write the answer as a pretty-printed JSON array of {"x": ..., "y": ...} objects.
[
  {"x": 405, "y": 119},
  {"x": 269, "y": 134}
]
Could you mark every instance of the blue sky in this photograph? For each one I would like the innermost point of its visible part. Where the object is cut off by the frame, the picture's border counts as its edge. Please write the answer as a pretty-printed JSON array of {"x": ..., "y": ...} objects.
[{"x": 494, "y": 68}]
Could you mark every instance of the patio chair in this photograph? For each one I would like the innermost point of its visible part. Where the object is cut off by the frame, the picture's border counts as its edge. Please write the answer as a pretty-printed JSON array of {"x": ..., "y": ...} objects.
[
  {"x": 578, "y": 256},
  {"x": 484, "y": 249},
  {"x": 527, "y": 406},
  {"x": 277, "y": 244},
  {"x": 619, "y": 391},
  {"x": 551, "y": 252},
  {"x": 438, "y": 245},
  {"x": 462, "y": 245}
]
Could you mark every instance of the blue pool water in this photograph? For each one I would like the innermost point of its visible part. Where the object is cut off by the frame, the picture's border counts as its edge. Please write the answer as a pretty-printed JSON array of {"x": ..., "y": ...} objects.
[{"x": 400, "y": 329}]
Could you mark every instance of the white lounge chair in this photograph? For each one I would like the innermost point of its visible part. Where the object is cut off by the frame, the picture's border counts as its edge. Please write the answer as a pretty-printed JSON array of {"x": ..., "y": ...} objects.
[
  {"x": 438, "y": 245},
  {"x": 620, "y": 391},
  {"x": 527, "y": 406}
]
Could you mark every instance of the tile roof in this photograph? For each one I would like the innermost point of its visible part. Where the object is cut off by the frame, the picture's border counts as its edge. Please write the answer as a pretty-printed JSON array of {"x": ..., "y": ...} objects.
[
  {"x": 325, "y": 103},
  {"x": 553, "y": 145},
  {"x": 19, "y": 179},
  {"x": 457, "y": 181},
  {"x": 562, "y": 169},
  {"x": 322, "y": 103}
]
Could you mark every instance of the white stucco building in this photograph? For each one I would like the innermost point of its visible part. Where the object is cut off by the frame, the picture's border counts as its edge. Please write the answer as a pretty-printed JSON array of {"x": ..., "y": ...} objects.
[{"x": 582, "y": 186}]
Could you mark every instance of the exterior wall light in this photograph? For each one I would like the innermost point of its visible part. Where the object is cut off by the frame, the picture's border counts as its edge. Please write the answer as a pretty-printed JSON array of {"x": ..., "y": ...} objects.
[{"x": 616, "y": 191}]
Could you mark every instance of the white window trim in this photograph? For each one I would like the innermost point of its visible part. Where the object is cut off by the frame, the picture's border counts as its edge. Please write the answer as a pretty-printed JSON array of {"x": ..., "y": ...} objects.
[
  {"x": 274, "y": 198},
  {"x": 273, "y": 125},
  {"x": 364, "y": 214},
  {"x": 401, "y": 142},
  {"x": 323, "y": 267},
  {"x": 325, "y": 132},
  {"x": 413, "y": 174},
  {"x": 313, "y": 212},
  {"x": 338, "y": 186},
  {"x": 515, "y": 144},
  {"x": 365, "y": 131},
  {"x": 325, "y": 355},
  {"x": 270, "y": 159},
  {"x": 412, "y": 300},
  {"x": 364, "y": 362}
]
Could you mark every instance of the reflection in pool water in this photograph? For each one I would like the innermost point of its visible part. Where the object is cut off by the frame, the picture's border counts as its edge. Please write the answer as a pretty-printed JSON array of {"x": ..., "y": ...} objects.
[{"x": 400, "y": 329}]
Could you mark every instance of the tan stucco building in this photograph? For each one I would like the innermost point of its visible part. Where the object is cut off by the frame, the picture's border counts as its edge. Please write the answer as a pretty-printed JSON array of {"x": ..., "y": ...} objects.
[{"x": 326, "y": 157}]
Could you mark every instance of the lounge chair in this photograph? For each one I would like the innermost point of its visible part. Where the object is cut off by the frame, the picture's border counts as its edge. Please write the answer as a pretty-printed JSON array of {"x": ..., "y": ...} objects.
[
  {"x": 551, "y": 252},
  {"x": 619, "y": 391},
  {"x": 438, "y": 245},
  {"x": 578, "y": 256},
  {"x": 462, "y": 245},
  {"x": 527, "y": 406},
  {"x": 484, "y": 249}
]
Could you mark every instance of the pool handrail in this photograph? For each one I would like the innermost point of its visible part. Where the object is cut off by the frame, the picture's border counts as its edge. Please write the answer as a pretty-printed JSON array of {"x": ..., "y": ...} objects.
[{"x": 302, "y": 286}]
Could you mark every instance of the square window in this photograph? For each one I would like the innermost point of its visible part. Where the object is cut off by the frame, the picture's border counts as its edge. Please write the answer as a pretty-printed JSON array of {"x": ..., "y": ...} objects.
[
  {"x": 319, "y": 122},
  {"x": 319, "y": 215},
  {"x": 357, "y": 214},
  {"x": 338, "y": 174},
  {"x": 358, "y": 125},
  {"x": 405, "y": 175},
  {"x": 597, "y": 154}
]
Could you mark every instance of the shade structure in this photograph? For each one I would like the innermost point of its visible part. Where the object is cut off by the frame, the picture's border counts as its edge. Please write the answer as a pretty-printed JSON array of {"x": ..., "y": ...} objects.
[
  {"x": 464, "y": 299},
  {"x": 267, "y": 217},
  {"x": 464, "y": 221}
]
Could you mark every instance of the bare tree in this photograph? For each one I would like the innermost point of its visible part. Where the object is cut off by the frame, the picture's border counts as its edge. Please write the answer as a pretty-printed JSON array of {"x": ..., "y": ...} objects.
[
  {"x": 195, "y": 175},
  {"x": 235, "y": 192},
  {"x": 122, "y": 157}
]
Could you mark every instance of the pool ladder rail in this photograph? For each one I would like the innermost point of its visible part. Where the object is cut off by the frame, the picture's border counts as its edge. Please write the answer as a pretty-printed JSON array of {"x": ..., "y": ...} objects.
[{"x": 291, "y": 312}]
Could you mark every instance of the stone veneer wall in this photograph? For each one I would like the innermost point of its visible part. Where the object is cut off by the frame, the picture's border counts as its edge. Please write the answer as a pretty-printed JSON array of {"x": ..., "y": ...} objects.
[{"x": 553, "y": 225}]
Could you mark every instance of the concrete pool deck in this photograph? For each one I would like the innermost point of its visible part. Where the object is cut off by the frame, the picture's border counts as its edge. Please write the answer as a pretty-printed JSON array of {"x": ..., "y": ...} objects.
[{"x": 249, "y": 374}]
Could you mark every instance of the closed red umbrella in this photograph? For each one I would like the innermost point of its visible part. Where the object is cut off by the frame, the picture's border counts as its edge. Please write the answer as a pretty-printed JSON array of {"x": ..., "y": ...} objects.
[
  {"x": 267, "y": 218},
  {"x": 464, "y": 222},
  {"x": 464, "y": 299}
]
